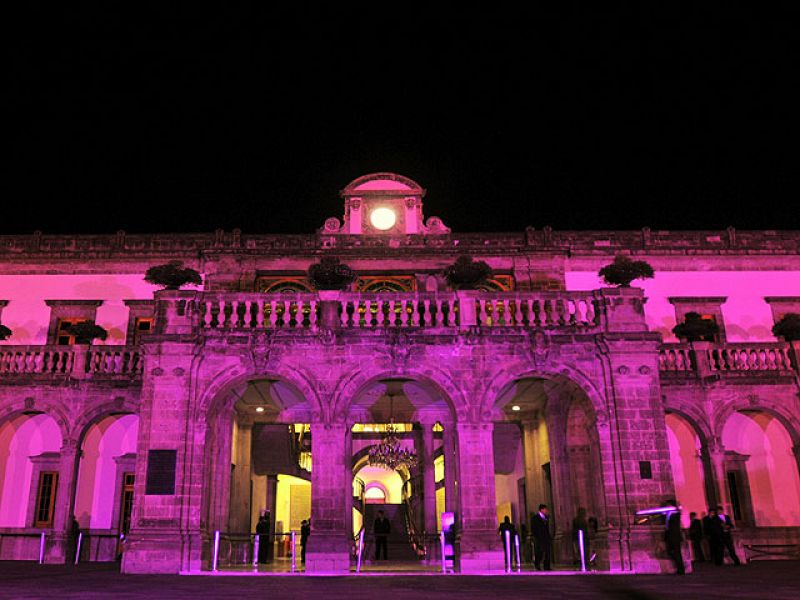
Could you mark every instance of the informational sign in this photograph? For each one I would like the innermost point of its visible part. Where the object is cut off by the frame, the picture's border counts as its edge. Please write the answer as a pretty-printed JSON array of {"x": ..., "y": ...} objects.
[
  {"x": 161, "y": 472},
  {"x": 449, "y": 530}
]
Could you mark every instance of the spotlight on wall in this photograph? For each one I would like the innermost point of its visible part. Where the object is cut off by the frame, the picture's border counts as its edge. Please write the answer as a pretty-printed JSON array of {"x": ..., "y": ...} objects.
[
  {"x": 515, "y": 407},
  {"x": 259, "y": 409}
]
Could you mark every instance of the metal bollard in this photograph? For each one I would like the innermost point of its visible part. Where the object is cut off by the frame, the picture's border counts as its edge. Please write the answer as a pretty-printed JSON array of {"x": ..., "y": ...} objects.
[
  {"x": 215, "y": 558},
  {"x": 41, "y": 548},
  {"x": 582, "y": 548},
  {"x": 507, "y": 545},
  {"x": 360, "y": 550},
  {"x": 294, "y": 551},
  {"x": 519, "y": 556},
  {"x": 444, "y": 560},
  {"x": 78, "y": 549},
  {"x": 256, "y": 542}
]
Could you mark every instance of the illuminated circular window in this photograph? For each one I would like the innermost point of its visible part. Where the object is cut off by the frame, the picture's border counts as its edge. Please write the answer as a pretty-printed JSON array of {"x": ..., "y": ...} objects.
[{"x": 382, "y": 218}]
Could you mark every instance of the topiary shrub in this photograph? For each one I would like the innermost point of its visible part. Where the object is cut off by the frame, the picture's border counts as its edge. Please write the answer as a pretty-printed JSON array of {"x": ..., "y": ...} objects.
[
  {"x": 5, "y": 333},
  {"x": 172, "y": 276},
  {"x": 86, "y": 331},
  {"x": 466, "y": 273},
  {"x": 695, "y": 328},
  {"x": 788, "y": 327},
  {"x": 623, "y": 270},
  {"x": 330, "y": 274}
]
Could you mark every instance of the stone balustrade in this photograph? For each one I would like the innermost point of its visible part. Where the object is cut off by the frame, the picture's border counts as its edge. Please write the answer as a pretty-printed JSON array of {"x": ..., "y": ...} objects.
[
  {"x": 354, "y": 310},
  {"x": 707, "y": 358},
  {"x": 75, "y": 361}
]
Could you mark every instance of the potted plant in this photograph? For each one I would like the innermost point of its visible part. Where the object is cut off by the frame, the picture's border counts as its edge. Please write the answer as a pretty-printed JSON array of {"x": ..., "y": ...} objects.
[
  {"x": 467, "y": 273},
  {"x": 623, "y": 270},
  {"x": 5, "y": 332},
  {"x": 788, "y": 327},
  {"x": 172, "y": 276},
  {"x": 86, "y": 331},
  {"x": 330, "y": 274},
  {"x": 695, "y": 328}
]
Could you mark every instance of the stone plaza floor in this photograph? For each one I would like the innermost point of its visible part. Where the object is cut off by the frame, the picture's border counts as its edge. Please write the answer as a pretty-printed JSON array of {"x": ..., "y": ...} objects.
[{"x": 776, "y": 580}]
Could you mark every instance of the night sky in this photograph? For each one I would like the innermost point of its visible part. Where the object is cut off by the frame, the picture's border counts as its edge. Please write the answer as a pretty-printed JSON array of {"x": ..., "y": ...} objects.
[{"x": 590, "y": 117}]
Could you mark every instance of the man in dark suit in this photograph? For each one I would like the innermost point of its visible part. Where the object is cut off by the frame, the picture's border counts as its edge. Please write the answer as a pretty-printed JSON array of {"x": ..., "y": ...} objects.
[
  {"x": 696, "y": 536},
  {"x": 727, "y": 537},
  {"x": 382, "y": 529},
  {"x": 712, "y": 526},
  {"x": 673, "y": 536},
  {"x": 542, "y": 540}
]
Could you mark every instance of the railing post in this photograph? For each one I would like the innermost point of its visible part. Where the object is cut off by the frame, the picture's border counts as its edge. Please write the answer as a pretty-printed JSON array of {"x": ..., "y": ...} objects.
[
  {"x": 444, "y": 560},
  {"x": 256, "y": 542},
  {"x": 215, "y": 558},
  {"x": 294, "y": 551},
  {"x": 80, "y": 355},
  {"x": 700, "y": 354},
  {"x": 78, "y": 548},
  {"x": 507, "y": 545},
  {"x": 41, "y": 548},
  {"x": 467, "y": 316},
  {"x": 329, "y": 303},
  {"x": 582, "y": 549},
  {"x": 360, "y": 549},
  {"x": 519, "y": 556}
]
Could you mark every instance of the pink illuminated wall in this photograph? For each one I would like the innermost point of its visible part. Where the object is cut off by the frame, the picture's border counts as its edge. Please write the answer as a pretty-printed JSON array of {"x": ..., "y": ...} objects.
[
  {"x": 20, "y": 438},
  {"x": 28, "y": 316},
  {"x": 747, "y": 316},
  {"x": 687, "y": 468},
  {"x": 98, "y": 477},
  {"x": 771, "y": 468}
]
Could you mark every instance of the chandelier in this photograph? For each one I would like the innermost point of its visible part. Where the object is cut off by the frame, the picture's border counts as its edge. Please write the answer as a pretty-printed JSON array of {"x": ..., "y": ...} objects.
[{"x": 389, "y": 454}]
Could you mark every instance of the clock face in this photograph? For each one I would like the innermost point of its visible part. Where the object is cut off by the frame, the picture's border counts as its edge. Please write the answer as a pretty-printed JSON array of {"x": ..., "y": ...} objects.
[{"x": 382, "y": 218}]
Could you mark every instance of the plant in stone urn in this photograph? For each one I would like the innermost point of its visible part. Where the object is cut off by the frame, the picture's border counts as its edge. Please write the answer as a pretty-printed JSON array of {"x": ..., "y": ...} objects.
[
  {"x": 5, "y": 332},
  {"x": 695, "y": 328},
  {"x": 788, "y": 327},
  {"x": 623, "y": 270},
  {"x": 86, "y": 331},
  {"x": 330, "y": 274},
  {"x": 467, "y": 273},
  {"x": 172, "y": 276}
]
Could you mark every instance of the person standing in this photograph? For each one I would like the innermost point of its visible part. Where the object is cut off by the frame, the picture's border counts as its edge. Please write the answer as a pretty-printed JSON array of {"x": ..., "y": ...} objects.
[
  {"x": 712, "y": 526},
  {"x": 508, "y": 540},
  {"x": 382, "y": 529},
  {"x": 696, "y": 537},
  {"x": 727, "y": 536},
  {"x": 262, "y": 531},
  {"x": 542, "y": 540},
  {"x": 305, "y": 531},
  {"x": 673, "y": 536}
]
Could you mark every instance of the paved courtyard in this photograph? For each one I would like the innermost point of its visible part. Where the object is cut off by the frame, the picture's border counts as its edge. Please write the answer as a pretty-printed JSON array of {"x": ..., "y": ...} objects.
[{"x": 762, "y": 581}]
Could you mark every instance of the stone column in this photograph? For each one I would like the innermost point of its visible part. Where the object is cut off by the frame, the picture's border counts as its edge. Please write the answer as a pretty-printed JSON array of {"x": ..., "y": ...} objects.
[
  {"x": 716, "y": 456},
  {"x": 272, "y": 506},
  {"x": 428, "y": 480},
  {"x": 450, "y": 468},
  {"x": 563, "y": 509},
  {"x": 240, "y": 515},
  {"x": 329, "y": 545},
  {"x": 65, "y": 495},
  {"x": 479, "y": 548}
]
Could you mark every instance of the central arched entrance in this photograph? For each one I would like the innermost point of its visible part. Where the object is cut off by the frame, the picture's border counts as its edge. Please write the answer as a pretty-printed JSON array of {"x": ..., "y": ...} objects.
[
  {"x": 547, "y": 451},
  {"x": 410, "y": 495}
]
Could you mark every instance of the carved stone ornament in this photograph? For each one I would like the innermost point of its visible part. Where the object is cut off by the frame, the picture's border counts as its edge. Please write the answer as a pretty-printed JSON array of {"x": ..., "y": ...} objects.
[
  {"x": 539, "y": 348},
  {"x": 326, "y": 336},
  {"x": 623, "y": 370},
  {"x": 332, "y": 225},
  {"x": 260, "y": 349},
  {"x": 644, "y": 370},
  {"x": 157, "y": 372}
]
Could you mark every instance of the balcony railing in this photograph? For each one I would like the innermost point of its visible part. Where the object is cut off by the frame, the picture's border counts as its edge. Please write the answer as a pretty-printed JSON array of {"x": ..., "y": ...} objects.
[
  {"x": 707, "y": 358},
  {"x": 75, "y": 361},
  {"x": 222, "y": 311}
]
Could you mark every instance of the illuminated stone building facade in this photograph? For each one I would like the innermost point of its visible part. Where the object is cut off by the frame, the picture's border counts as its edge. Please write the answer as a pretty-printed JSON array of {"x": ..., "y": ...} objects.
[{"x": 255, "y": 392}]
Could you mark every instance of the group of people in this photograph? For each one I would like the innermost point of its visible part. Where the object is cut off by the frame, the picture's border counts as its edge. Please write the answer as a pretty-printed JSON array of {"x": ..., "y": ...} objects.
[
  {"x": 716, "y": 527},
  {"x": 265, "y": 539},
  {"x": 542, "y": 537}
]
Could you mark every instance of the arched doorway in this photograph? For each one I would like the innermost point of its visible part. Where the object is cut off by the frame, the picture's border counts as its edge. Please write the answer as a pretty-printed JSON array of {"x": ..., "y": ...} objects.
[
  {"x": 761, "y": 470},
  {"x": 689, "y": 466},
  {"x": 258, "y": 456},
  {"x": 103, "y": 498},
  {"x": 547, "y": 451}
]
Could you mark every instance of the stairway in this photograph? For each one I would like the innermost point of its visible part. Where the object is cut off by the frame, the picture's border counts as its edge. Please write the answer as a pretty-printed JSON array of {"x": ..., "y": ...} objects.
[{"x": 400, "y": 549}]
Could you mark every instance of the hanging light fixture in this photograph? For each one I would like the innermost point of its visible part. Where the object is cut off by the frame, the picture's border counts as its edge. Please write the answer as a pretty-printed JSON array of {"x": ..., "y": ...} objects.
[{"x": 389, "y": 454}]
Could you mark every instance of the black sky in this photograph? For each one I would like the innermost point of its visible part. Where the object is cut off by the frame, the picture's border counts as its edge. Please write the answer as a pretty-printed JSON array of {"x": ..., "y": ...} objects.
[{"x": 575, "y": 116}]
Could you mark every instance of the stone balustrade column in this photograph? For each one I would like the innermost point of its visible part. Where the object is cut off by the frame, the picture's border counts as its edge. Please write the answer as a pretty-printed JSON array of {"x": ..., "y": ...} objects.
[
  {"x": 480, "y": 548},
  {"x": 329, "y": 545}
]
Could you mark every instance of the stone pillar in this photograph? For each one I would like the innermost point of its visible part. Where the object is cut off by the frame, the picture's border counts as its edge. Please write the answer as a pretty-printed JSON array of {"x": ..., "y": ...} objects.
[
  {"x": 450, "y": 468},
  {"x": 272, "y": 506},
  {"x": 563, "y": 509},
  {"x": 239, "y": 515},
  {"x": 716, "y": 456},
  {"x": 480, "y": 548},
  {"x": 329, "y": 304},
  {"x": 428, "y": 480},
  {"x": 329, "y": 545},
  {"x": 65, "y": 496}
]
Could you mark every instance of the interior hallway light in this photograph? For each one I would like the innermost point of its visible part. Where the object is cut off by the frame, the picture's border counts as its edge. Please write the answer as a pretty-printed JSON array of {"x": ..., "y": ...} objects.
[
  {"x": 515, "y": 407},
  {"x": 259, "y": 409}
]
